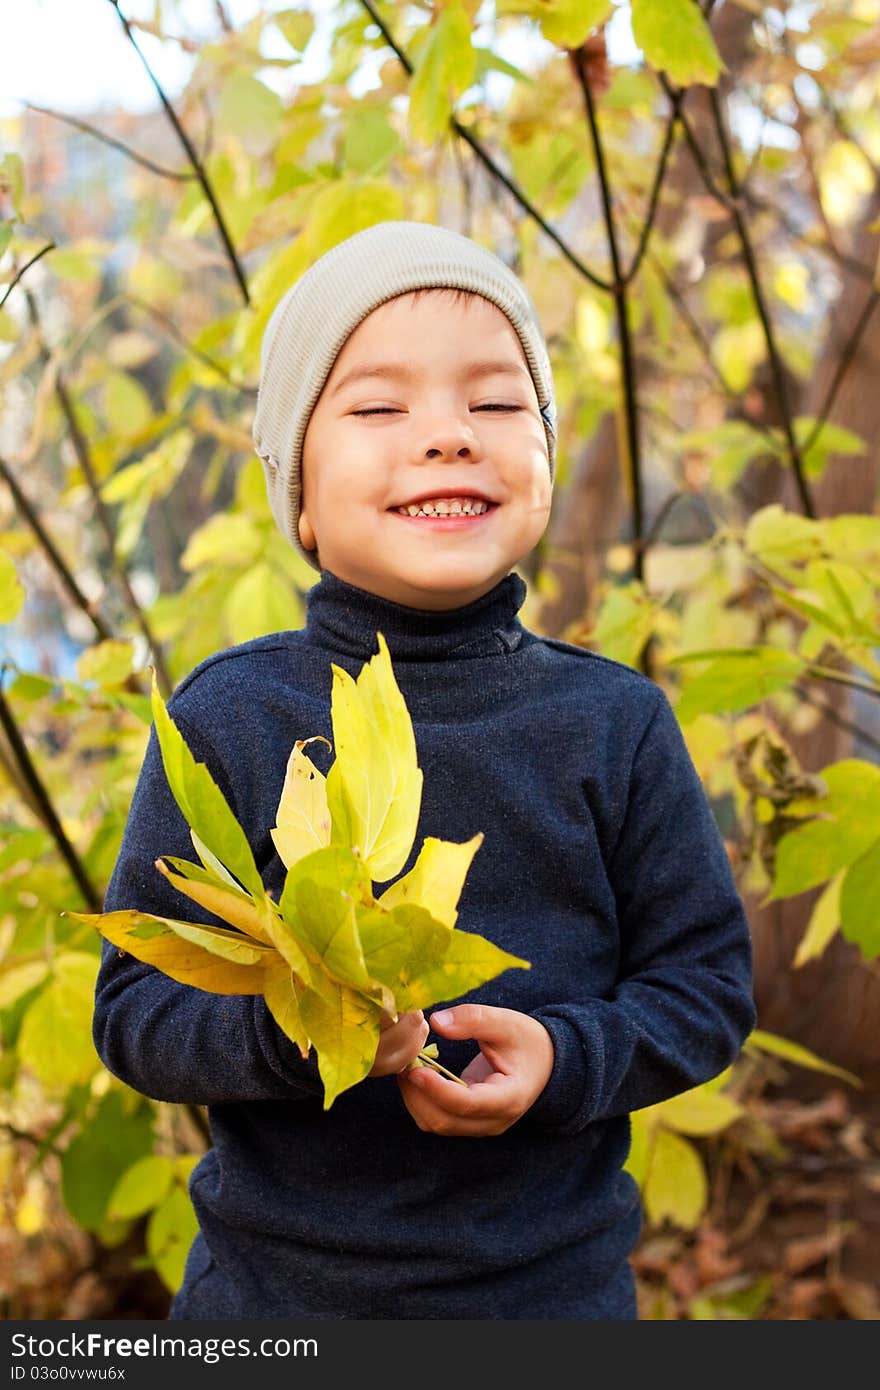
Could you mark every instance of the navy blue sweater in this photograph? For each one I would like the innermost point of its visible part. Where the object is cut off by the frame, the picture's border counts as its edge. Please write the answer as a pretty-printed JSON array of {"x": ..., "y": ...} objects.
[{"x": 601, "y": 864}]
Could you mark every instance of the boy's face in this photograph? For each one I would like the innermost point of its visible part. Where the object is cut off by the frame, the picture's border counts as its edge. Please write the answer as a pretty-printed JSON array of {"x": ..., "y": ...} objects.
[{"x": 434, "y": 426}]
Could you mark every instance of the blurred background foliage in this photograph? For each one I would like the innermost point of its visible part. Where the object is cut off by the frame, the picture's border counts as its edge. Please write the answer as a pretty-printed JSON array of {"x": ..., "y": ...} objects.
[{"x": 691, "y": 193}]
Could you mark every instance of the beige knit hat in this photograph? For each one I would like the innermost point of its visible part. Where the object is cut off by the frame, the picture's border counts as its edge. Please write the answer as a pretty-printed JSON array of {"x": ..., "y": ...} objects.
[{"x": 313, "y": 320}]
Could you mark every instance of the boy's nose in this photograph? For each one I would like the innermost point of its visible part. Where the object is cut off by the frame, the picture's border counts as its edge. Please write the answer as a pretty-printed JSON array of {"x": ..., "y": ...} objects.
[{"x": 453, "y": 439}]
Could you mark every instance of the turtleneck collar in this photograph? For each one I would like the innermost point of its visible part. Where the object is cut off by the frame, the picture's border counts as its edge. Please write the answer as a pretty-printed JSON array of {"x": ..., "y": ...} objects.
[{"x": 345, "y": 619}]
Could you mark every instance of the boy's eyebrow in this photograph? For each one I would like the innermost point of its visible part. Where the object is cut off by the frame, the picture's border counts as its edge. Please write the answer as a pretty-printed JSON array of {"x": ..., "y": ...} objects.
[{"x": 402, "y": 370}]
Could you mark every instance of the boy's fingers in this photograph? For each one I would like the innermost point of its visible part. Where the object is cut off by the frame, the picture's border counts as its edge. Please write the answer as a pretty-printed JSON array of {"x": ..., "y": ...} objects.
[{"x": 482, "y": 1021}]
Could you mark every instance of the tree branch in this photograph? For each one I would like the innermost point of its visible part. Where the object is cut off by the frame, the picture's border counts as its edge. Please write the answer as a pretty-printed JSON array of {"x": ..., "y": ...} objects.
[
  {"x": 56, "y": 559},
  {"x": 192, "y": 154},
  {"x": 843, "y": 365},
  {"x": 42, "y": 799},
  {"x": 19, "y": 273},
  {"x": 490, "y": 164},
  {"x": 181, "y": 174},
  {"x": 81, "y": 449},
  {"x": 621, "y": 308}
]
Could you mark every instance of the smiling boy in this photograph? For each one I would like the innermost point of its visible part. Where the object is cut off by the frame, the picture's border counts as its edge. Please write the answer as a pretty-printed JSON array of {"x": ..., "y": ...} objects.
[{"x": 402, "y": 375}]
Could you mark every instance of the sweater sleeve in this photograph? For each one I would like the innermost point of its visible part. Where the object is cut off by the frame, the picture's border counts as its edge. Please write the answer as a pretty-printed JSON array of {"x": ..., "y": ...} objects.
[
  {"x": 683, "y": 1005},
  {"x": 168, "y": 1040}
]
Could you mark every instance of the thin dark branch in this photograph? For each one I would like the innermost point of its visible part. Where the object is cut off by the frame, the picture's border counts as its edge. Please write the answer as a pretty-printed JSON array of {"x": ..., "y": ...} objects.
[
  {"x": 621, "y": 305},
  {"x": 733, "y": 202},
  {"x": 25, "y": 1138},
  {"x": 223, "y": 17},
  {"x": 827, "y": 673},
  {"x": 42, "y": 799},
  {"x": 654, "y": 199},
  {"x": 84, "y": 459},
  {"x": 842, "y": 723},
  {"x": 751, "y": 261},
  {"x": 26, "y": 509},
  {"x": 843, "y": 365},
  {"x": 19, "y": 273},
  {"x": 192, "y": 154},
  {"x": 175, "y": 333},
  {"x": 486, "y": 159},
  {"x": 181, "y": 174}
]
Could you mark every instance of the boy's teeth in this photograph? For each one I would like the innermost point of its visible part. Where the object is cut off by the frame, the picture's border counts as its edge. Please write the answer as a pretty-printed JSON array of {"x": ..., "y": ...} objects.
[{"x": 446, "y": 506}]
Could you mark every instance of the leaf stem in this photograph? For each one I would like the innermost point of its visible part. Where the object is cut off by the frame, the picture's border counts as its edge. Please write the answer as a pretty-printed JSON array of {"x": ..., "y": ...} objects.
[{"x": 426, "y": 1060}]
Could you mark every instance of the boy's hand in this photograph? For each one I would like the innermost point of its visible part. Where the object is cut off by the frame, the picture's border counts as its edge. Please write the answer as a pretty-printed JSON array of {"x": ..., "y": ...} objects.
[
  {"x": 399, "y": 1042},
  {"x": 511, "y": 1070}
]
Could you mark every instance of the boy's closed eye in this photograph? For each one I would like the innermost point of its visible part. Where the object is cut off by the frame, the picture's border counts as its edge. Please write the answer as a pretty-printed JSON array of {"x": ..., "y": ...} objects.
[{"x": 394, "y": 410}]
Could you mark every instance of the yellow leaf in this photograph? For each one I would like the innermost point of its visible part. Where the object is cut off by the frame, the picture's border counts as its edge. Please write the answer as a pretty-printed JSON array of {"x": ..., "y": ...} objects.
[
  {"x": 824, "y": 922},
  {"x": 302, "y": 820},
  {"x": 468, "y": 961},
  {"x": 283, "y": 1005},
  {"x": 12, "y": 593},
  {"x": 157, "y": 941},
  {"x": 234, "y": 906},
  {"x": 55, "y": 1040},
  {"x": 698, "y": 1111},
  {"x": 797, "y": 1053},
  {"x": 436, "y": 879},
  {"x": 345, "y": 1032},
  {"x": 107, "y": 663},
  {"x": 374, "y": 788},
  {"x": 676, "y": 1187}
]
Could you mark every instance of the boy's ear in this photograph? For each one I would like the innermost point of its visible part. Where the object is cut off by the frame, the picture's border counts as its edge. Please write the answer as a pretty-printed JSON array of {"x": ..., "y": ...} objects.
[{"x": 307, "y": 537}]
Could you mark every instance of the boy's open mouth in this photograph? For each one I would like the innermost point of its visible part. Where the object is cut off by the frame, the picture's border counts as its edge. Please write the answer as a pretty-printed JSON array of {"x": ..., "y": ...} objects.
[{"x": 449, "y": 521}]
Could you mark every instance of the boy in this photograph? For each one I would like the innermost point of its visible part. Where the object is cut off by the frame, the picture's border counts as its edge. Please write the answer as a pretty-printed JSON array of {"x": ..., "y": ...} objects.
[{"x": 404, "y": 370}]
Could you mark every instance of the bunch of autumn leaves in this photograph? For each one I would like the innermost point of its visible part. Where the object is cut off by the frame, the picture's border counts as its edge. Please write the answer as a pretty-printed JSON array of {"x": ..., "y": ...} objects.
[{"x": 329, "y": 958}]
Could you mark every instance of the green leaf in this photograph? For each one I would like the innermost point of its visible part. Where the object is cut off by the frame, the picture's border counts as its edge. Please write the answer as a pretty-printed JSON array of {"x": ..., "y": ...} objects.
[
  {"x": 95, "y": 1160},
  {"x": 141, "y": 1187},
  {"x": 171, "y": 1230},
  {"x": 201, "y": 802},
  {"x": 55, "y": 1041},
  {"x": 824, "y": 922},
  {"x": 374, "y": 788},
  {"x": 790, "y": 1051},
  {"x": 444, "y": 69},
  {"x": 249, "y": 112},
  {"x": 12, "y": 593},
  {"x": 106, "y": 663},
  {"x": 675, "y": 1188},
  {"x": 567, "y": 23},
  {"x": 297, "y": 26},
  {"x": 625, "y": 623},
  {"x": 779, "y": 537},
  {"x": 675, "y": 38},
  {"x": 831, "y": 439},
  {"x": 736, "y": 680},
  {"x": 729, "y": 448},
  {"x": 127, "y": 406},
  {"x": 860, "y": 903},
  {"x": 370, "y": 141},
  {"x": 318, "y": 903},
  {"x": 847, "y": 824}
]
